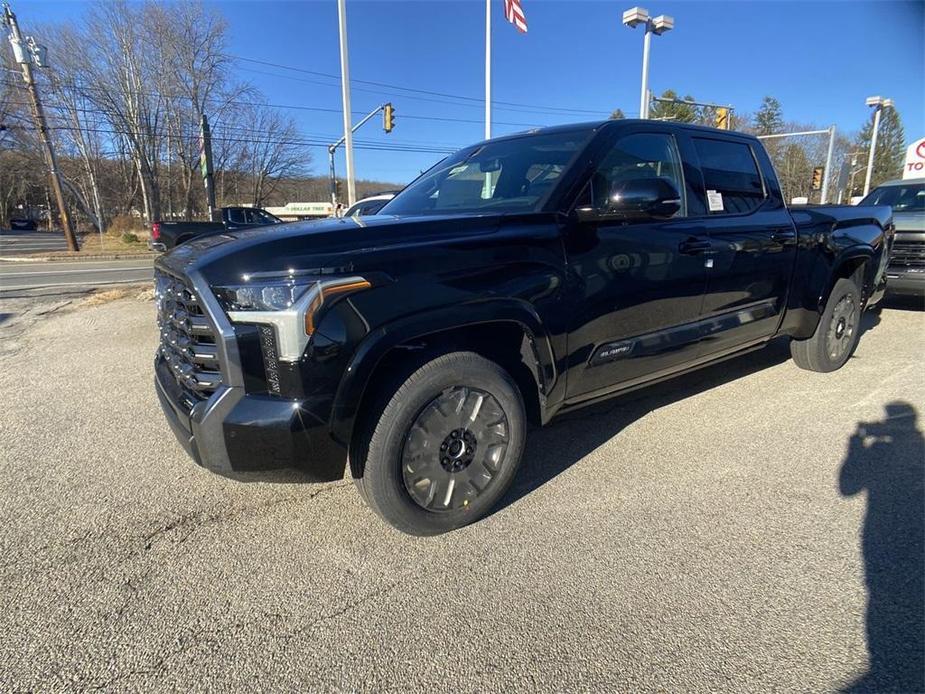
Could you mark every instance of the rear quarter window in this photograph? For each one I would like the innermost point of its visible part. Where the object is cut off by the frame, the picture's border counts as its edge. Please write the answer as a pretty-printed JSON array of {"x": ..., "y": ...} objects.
[{"x": 730, "y": 176}]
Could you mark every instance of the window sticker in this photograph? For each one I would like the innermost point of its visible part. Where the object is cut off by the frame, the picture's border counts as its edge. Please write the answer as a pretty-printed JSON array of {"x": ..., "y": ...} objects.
[{"x": 715, "y": 201}]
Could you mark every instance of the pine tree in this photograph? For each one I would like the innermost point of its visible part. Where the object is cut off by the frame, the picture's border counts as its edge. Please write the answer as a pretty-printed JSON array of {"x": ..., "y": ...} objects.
[
  {"x": 676, "y": 112},
  {"x": 617, "y": 114},
  {"x": 769, "y": 119},
  {"x": 891, "y": 149}
]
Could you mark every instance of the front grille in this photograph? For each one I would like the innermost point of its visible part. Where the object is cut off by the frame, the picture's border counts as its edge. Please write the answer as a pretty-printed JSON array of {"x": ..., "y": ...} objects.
[
  {"x": 188, "y": 342},
  {"x": 908, "y": 254}
]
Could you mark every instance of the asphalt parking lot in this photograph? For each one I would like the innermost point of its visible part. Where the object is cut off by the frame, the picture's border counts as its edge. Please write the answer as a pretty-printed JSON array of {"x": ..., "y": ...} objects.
[{"x": 750, "y": 527}]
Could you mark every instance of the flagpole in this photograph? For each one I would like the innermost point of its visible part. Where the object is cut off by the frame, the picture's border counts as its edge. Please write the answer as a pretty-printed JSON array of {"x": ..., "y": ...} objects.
[{"x": 487, "y": 69}]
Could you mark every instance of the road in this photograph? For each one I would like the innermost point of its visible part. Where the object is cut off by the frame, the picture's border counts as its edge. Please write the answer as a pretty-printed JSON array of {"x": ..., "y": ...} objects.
[
  {"x": 28, "y": 242},
  {"x": 750, "y": 527},
  {"x": 57, "y": 276}
]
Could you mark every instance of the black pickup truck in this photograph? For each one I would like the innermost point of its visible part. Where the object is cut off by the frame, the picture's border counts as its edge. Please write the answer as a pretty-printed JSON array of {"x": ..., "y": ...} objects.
[
  {"x": 519, "y": 278},
  {"x": 166, "y": 235}
]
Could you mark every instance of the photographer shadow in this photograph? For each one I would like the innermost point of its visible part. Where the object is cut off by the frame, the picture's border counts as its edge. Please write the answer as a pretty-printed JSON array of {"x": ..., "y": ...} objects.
[{"x": 887, "y": 459}]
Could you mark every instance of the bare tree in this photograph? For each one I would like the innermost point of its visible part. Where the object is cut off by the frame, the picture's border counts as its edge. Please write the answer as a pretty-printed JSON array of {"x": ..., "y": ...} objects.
[
  {"x": 272, "y": 149},
  {"x": 124, "y": 67},
  {"x": 194, "y": 75}
]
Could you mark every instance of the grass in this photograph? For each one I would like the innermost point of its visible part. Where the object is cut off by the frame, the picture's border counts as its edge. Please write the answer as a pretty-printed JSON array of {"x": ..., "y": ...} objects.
[
  {"x": 93, "y": 245},
  {"x": 134, "y": 291}
]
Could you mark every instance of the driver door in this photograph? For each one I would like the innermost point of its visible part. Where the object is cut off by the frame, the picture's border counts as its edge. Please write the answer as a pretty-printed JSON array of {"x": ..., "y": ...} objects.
[{"x": 639, "y": 281}]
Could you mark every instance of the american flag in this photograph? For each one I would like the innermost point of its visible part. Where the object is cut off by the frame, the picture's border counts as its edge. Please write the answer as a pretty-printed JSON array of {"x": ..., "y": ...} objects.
[{"x": 514, "y": 13}]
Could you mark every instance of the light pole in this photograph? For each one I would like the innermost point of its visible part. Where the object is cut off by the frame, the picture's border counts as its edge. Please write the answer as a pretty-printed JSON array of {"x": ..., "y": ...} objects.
[
  {"x": 658, "y": 26},
  {"x": 878, "y": 103},
  {"x": 345, "y": 95}
]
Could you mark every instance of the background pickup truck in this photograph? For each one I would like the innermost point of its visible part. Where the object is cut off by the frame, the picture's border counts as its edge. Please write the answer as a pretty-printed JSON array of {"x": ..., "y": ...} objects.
[
  {"x": 166, "y": 235},
  {"x": 906, "y": 271},
  {"x": 518, "y": 279}
]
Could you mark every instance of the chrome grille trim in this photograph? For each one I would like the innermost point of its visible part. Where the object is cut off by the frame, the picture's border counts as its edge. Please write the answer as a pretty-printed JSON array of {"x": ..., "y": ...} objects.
[
  {"x": 907, "y": 253},
  {"x": 188, "y": 343}
]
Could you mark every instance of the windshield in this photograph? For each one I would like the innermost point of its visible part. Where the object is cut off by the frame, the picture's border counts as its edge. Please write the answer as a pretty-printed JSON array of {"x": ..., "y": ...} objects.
[
  {"x": 367, "y": 207},
  {"x": 513, "y": 175},
  {"x": 902, "y": 198}
]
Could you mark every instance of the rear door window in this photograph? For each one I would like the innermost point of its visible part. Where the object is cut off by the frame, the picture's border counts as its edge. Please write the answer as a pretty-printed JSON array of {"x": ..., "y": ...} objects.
[
  {"x": 236, "y": 216},
  {"x": 730, "y": 175}
]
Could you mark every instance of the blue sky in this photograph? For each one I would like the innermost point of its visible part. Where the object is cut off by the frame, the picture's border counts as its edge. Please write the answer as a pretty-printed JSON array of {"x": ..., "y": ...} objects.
[{"x": 820, "y": 59}]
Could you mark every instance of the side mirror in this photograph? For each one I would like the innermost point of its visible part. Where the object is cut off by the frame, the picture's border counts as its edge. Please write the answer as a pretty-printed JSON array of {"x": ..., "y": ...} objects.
[{"x": 635, "y": 199}]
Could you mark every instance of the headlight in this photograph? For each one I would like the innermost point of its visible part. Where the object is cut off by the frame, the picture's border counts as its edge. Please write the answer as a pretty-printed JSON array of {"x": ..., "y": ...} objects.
[
  {"x": 290, "y": 305},
  {"x": 262, "y": 296}
]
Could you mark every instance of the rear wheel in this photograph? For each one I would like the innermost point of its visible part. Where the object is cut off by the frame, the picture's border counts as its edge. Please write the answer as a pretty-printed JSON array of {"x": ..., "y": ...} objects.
[
  {"x": 836, "y": 335},
  {"x": 446, "y": 446}
]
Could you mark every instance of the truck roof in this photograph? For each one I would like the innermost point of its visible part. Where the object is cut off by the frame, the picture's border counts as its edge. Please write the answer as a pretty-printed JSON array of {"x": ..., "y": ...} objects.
[
  {"x": 901, "y": 182},
  {"x": 595, "y": 125}
]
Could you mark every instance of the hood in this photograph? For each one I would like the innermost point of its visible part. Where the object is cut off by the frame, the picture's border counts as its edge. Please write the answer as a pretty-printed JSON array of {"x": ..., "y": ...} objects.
[
  {"x": 331, "y": 245},
  {"x": 909, "y": 220}
]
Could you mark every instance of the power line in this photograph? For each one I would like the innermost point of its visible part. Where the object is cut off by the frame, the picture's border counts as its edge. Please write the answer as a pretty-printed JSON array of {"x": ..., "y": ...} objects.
[
  {"x": 319, "y": 109},
  {"x": 545, "y": 107},
  {"x": 68, "y": 109},
  {"x": 366, "y": 145}
]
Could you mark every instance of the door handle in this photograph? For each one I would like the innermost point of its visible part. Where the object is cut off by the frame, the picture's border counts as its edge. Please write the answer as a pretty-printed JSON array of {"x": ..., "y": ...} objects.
[
  {"x": 694, "y": 246},
  {"x": 783, "y": 236}
]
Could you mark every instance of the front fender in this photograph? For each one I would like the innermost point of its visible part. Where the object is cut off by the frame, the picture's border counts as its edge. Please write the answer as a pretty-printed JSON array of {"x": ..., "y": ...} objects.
[{"x": 378, "y": 342}]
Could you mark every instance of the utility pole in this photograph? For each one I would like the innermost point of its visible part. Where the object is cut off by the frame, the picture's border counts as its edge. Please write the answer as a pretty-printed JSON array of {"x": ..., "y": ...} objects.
[
  {"x": 205, "y": 166},
  {"x": 25, "y": 55},
  {"x": 345, "y": 92}
]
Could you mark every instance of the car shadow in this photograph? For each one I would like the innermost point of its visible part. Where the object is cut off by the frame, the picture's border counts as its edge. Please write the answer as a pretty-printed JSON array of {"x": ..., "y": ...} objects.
[
  {"x": 575, "y": 438},
  {"x": 869, "y": 321},
  {"x": 887, "y": 460},
  {"x": 903, "y": 302}
]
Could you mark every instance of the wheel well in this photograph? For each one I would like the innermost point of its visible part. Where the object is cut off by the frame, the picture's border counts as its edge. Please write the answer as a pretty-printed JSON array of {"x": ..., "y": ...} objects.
[
  {"x": 503, "y": 342},
  {"x": 848, "y": 268},
  {"x": 852, "y": 269}
]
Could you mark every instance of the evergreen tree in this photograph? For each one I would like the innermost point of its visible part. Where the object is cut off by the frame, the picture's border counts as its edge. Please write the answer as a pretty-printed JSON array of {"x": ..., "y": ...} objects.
[
  {"x": 617, "y": 114},
  {"x": 676, "y": 112},
  {"x": 891, "y": 149},
  {"x": 769, "y": 119}
]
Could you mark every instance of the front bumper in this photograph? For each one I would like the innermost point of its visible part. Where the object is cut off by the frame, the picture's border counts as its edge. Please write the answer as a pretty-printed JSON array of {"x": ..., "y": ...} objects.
[
  {"x": 235, "y": 432},
  {"x": 905, "y": 281}
]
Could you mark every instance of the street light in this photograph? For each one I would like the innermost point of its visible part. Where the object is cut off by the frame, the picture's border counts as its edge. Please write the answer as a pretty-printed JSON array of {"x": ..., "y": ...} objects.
[
  {"x": 658, "y": 26},
  {"x": 878, "y": 103}
]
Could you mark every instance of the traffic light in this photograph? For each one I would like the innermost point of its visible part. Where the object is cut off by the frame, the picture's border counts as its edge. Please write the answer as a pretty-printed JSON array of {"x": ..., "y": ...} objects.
[
  {"x": 388, "y": 117},
  {"x": 721, "y": 120},
  {"x": 817, "y": 177}
]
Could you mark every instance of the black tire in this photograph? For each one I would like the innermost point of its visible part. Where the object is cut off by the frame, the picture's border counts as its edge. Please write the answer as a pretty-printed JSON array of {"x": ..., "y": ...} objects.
[
  {"x": 486, "y": 450},
  {"x": 837, "y": 334}
]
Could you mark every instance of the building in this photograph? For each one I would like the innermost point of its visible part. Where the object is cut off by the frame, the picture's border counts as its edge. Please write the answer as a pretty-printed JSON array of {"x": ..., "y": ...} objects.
[{"x": 294, "y": 211}]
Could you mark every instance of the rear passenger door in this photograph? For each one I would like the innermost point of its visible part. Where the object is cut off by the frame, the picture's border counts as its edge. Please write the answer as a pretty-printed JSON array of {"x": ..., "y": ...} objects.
[{"x": 752, "y": 244}]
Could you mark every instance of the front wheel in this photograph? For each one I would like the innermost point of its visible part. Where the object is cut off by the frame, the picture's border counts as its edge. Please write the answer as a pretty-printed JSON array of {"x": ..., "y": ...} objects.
[
  {"x": 836, "y": 335},
  {"x": 446, "y": 447}
]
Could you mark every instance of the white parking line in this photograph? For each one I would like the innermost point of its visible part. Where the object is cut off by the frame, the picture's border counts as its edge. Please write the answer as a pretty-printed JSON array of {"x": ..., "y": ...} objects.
[{"x": 137, "y": 280}]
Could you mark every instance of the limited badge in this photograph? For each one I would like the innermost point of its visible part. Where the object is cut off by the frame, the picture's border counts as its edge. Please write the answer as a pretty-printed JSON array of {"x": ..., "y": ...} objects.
[{"x": 612, "y": 351}]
